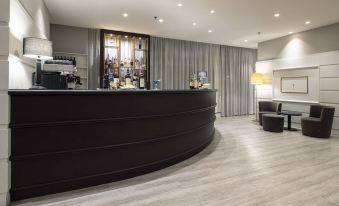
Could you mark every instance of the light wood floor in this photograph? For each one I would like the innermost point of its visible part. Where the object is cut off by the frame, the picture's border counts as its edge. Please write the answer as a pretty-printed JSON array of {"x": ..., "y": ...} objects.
[{"x": 243, "y": 166}]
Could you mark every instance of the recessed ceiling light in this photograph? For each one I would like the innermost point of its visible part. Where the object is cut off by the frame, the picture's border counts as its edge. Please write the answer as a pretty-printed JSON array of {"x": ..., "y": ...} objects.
[
  {"x": 291, "y": 32},
  {"x": 161, "y": 20},
  {"x": 307, "y": 22},
  {"x": 139, "y": 38},
  {"x": 210, "y": 31},
  {"x": 276, "y": 15},
  {"x": 179, "y": 4},
  {"x": 125, "y": 15},
  {"x": 194, "y": 23},
  {"x": 126, "y": 37},
  {"x": 212, "y": 11},
  {"x": 245, "y": 40}
]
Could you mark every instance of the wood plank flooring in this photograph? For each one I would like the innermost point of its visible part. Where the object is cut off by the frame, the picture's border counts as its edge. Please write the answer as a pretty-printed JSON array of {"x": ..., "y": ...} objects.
[{"x": 243, "y": 166}]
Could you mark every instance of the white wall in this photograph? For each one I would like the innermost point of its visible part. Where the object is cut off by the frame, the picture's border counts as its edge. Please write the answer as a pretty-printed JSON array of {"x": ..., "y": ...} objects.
[
  {"x": 18, "y": 19},
  {"x": 27, "y": 19},
  {"x": 312, "y": 95},
  {"x": 319, "y": 40}
]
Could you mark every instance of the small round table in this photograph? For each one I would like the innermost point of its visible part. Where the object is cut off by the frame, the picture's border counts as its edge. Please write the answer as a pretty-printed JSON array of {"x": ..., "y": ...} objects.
[{"x": 289, "y": 115}]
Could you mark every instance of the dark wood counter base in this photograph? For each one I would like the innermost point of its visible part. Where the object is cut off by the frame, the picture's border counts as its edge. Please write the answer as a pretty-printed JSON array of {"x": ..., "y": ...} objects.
[{"x": 67, "y": 140}]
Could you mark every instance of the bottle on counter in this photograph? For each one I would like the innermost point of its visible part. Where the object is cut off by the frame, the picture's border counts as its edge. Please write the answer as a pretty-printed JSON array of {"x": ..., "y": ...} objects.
[
  {"x": 128, "y": 78},
  {"x": 195, "y": 82},
  {"x": 135, "y": 80},
  {"x": 74, "y": 62},
  {"x": 191, "y": 82},
  {"x": 141, "y": 81},
  {"x": 116, "y": 79}
]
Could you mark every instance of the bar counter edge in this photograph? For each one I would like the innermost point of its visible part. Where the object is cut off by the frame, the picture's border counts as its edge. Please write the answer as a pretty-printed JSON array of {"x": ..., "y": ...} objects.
[{"x": 63, "y": 140}]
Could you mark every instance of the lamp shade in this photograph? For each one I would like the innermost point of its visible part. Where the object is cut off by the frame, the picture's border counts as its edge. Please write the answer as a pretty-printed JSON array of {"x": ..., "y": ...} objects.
[
  {"x": 37, "y": 48},
  {"x": 257, "y": 78}
]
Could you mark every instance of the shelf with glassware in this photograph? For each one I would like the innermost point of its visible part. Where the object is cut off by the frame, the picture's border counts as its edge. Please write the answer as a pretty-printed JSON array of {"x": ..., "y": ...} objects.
[{"x": 124, "y": 60}]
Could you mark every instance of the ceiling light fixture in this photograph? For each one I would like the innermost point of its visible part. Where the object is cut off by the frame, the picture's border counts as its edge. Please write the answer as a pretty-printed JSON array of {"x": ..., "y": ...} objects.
[
  {"x": 307, "y": 22},
  {"x": 212, "y": 11},
  {"x": 179, "y": 4},
  {"x": 194, "y": 23},
  {"x": 210, "y": 31},
  {"x": 125, "y": 15},
  {"x": 161, "y": 20},
  {"x": 276, "y": 15},
  {"x": 291, "y": 32},
  {"x": 245, "y": 40}
]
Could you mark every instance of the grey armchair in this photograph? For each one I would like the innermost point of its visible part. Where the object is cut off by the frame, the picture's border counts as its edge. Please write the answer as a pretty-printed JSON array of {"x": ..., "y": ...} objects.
[
  {"x": 268, "y": 107},
  {"x": 319, "y": 124}
]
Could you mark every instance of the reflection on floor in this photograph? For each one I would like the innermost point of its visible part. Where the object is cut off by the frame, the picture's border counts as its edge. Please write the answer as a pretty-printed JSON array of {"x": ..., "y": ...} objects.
[{"x": 243, "y": 166}]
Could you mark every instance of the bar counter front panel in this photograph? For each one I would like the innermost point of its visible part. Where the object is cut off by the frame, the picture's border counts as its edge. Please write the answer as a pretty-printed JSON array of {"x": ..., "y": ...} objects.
[{"x": 65, "y": 140}]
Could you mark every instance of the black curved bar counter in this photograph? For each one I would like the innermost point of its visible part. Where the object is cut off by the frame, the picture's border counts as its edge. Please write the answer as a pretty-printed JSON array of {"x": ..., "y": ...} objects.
[{"x": 64, "y": 140}]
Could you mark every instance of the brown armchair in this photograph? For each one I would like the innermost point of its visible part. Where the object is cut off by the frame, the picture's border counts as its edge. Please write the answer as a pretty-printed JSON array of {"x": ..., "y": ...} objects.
[
  {"x": 268, "y": 107},
  {"x": 319, "y": 124}
]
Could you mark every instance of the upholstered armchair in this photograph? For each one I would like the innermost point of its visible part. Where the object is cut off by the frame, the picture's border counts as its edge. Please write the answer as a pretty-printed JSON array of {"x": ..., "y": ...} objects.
[
  {"x": 268, "y": 107},
  {"x": 319, "y": 124}
]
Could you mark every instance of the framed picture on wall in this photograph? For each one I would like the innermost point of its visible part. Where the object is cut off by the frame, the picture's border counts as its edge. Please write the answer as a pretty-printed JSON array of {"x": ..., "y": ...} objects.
[{"x": 294, "y": 85}]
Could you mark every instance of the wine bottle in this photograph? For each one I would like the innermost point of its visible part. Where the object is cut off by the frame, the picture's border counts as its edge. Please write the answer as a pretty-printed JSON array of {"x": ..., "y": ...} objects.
[
  {"x": 141, "y": 81},
  {"x": 135, "y": 80},
  {"x": 196, "y": 83},
  {"x": 74, "y": 62},
  {"x": 125, "y": 62},
  {"x": 128, "y": 78},
  {"x": 192, "y": 83},
  {"x": 106, "y": 64},
  {"x": 140, "y": 45}
]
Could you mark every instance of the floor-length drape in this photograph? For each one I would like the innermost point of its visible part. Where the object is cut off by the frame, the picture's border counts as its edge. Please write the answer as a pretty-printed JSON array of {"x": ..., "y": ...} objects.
[
  {"x": 93, "y": 58},
  {"x": 229, "y": 68}
]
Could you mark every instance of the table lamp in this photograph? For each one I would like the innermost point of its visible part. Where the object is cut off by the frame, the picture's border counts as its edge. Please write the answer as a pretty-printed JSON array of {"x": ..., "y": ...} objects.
[
  {"x": 256, "y": 79},
  {"x": 39, "y": 49}
]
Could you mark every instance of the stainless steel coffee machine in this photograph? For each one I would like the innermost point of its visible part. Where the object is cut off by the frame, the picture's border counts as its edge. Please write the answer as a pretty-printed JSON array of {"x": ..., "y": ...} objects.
[{"x": 59, "y": 74}]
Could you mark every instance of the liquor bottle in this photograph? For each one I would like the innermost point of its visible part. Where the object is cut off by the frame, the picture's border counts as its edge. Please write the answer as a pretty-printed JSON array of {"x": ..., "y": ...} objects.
[
  {"x": 200, "y": 83},
  {"x": 106, "y": 64},
  {"x": 192, "y": 83},
  {"x": 125, "y": 62},
  {"x": 136, "y": 64},
  {"x": 141, "y": 81},
  {"x": 105, "y": 81},
  {"x": 128, "y": 78},
  {"x": 74, "y": 62},
  {"x": 135, "y": 80},
  {"x": 121, "y": 63},
  {"x": 116, "y": 79},
  {"x": 195, "y": 82},
  {"x": 140, "y": 45},
  {"x": 115, "y": 63}
]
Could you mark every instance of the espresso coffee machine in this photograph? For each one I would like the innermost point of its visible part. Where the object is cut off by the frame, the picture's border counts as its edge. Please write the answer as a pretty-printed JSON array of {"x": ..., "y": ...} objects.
[{"x": 59, "y": 74}]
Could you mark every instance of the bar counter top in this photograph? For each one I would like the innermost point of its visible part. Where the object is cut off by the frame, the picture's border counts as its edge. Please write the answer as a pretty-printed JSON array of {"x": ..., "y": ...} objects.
[{"x": 104, "y": 91}]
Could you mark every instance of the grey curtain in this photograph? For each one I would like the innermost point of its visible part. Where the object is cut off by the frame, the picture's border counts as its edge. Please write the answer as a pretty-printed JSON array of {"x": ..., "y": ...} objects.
[
  {"x": 93, "y": 58},
  {"x": 228, "y": 68}
]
